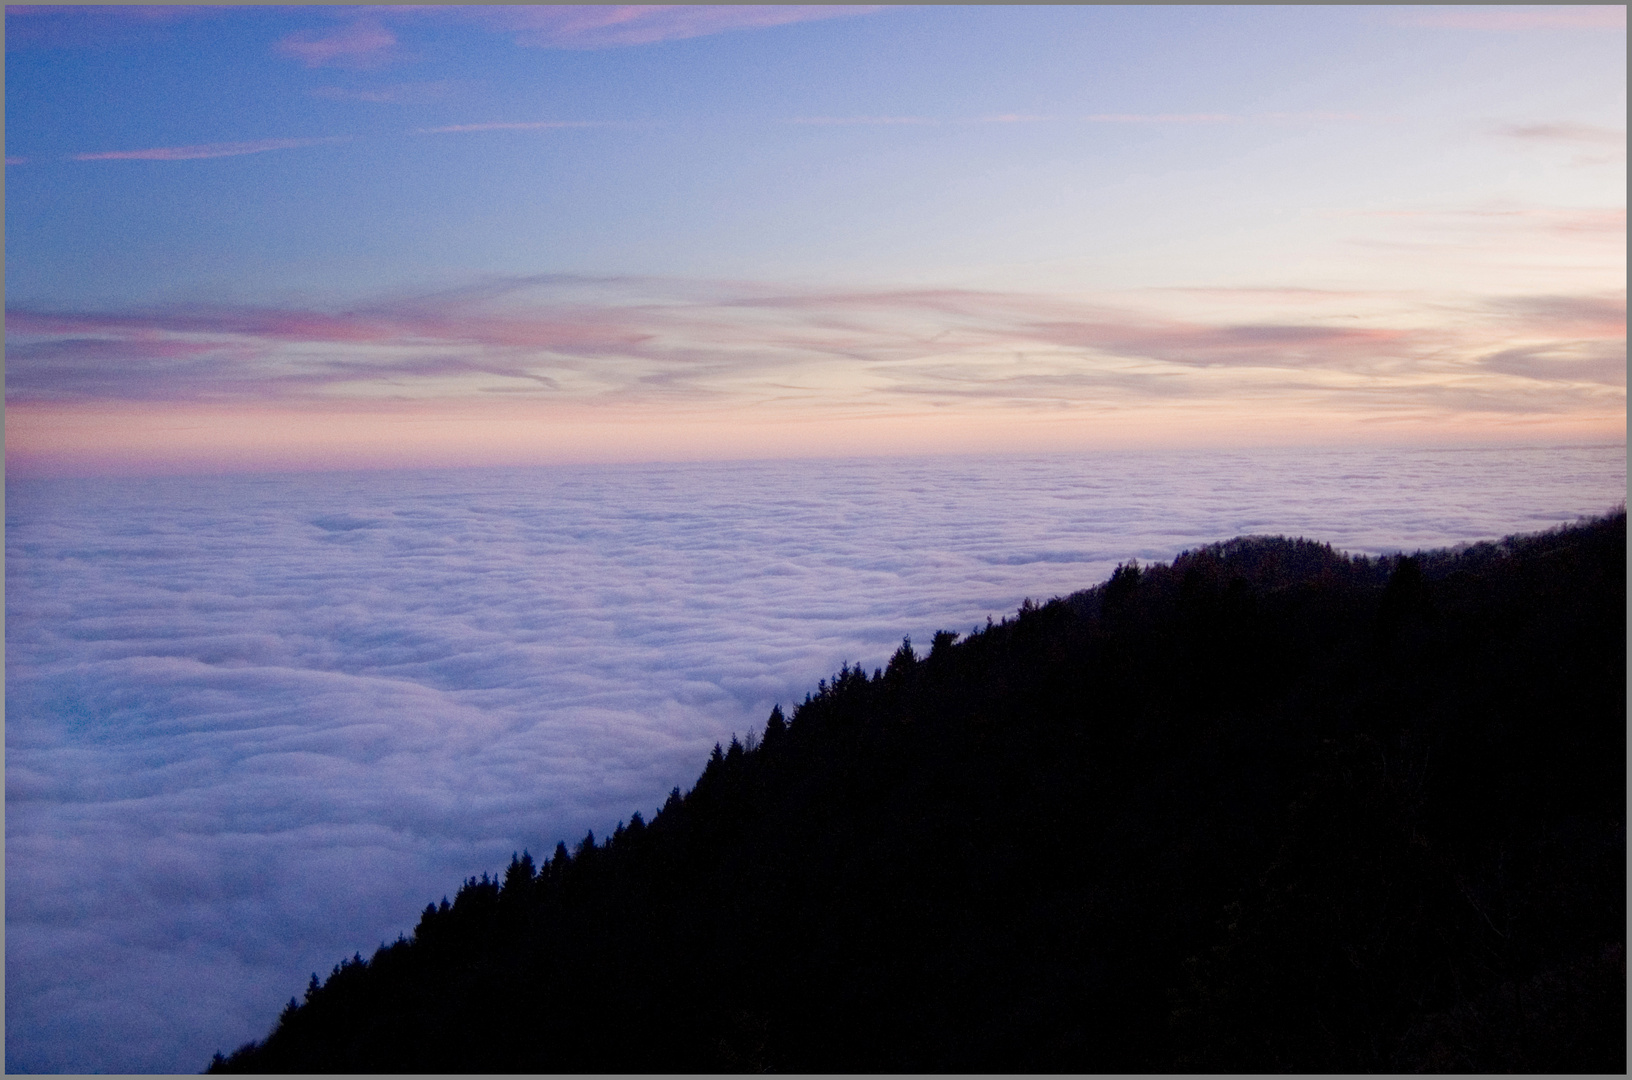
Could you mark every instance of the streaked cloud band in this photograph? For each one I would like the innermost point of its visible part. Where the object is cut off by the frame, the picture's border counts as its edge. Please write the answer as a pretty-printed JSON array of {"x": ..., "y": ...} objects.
[
  {"x": 516, "y": 368},
  {"x": 207, "y": 150}
]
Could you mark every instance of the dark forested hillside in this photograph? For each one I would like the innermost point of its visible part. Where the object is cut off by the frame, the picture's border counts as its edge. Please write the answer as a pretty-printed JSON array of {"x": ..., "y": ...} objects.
[{"x": 1268, "y": 808}]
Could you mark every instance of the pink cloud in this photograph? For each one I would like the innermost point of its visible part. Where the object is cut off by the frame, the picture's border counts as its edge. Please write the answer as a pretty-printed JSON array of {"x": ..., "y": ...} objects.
[
  {"x": 1162, "y": 118},
  {"x": 507, "y": 125},
  {"x": 829, "y": 121},
  {"x": 1097, "y": 118},
  {"x": 1605, "y": 222},
  {"x": 398, "y": 94},
  {"x": 1567, "y": 132},
  {"x": 1227, "y": 118},
  {"x": 1277, "y": 346},
  {"x": 1317, "y": 116},
  {"x": 1575, "y": 317},
  {"x": 410, "y": 323},
  {"x": 363, "y": 44},
  {"x": 369, "y": 42},
  {"x": 1597, "y": 362},
  {"x": 16, "y": 160},
  {"x": 611, "y": 26},
  {"x": 648, "y": 342},
  {"x": 1595, "y": 17},
  {"x": 268, "y": 324},
  {"x": 205, "y": 150},
  {"x": 1282, "y": 293},
  {"x": 242, "y": 354}
]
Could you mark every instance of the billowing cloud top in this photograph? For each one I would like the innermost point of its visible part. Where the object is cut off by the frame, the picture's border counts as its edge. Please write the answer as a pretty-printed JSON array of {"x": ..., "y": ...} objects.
[{"x": 256, "y": 723}]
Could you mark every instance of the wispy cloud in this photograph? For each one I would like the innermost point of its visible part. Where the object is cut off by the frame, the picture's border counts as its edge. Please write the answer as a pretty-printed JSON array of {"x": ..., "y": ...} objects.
[
  {"x": 1317, "y": 116},
  {"x": 1583, "y": 339},
  {"x": 1294, "y": 346},
  {"x": 16, "y": 160},
  {"x": 509, "y": 125},
  {"x": 1594, "y": 362},
  {"x": 1101, "y": 118},
  {"x": 368, "y": 39},
  {"x": 612, "y": 26},
  {"x": 366, "y": 43},
  {"x": 1605, "y": 223},
  {"x": 1584, "y": 17},
  {"x": 1569, "y": 316},
  {"x": 1586, "y": 137},
  {"x": 651, "y": 343},
  {"x": 1310, "y": 117},
  {"x": 832, "y": 121},
  {"x": 1568, "y": 133},
  {"x": 1230, "y": 118},
  {"x": 1163, "y": 118},
  {"x": 207, "y": 150},
  {"x": 413, "y": 93}
]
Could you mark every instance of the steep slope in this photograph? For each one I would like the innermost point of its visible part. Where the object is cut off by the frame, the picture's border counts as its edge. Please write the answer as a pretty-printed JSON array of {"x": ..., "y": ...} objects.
[{"x": 1268, "y": 808}]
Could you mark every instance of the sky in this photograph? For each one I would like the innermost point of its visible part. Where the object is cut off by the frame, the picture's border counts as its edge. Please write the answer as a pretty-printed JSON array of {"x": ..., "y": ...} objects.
[{"x": 251, "y": 238}]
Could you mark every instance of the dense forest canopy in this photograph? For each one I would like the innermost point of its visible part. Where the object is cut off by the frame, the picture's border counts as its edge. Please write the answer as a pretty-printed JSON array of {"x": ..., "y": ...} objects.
[{"x": 1268, "y": 808}]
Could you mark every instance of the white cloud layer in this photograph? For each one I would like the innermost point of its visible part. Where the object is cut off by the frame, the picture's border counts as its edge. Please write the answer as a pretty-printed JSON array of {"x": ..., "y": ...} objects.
[{"x": 256, "y": 723}]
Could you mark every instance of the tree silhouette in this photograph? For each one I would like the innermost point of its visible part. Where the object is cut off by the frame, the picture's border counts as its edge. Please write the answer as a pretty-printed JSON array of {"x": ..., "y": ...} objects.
[{"x": 1268, "y": 808}]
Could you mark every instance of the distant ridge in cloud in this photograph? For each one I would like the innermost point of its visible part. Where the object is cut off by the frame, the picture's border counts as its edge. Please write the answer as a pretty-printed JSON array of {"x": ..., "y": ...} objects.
[{"x": 207, "y": 150}]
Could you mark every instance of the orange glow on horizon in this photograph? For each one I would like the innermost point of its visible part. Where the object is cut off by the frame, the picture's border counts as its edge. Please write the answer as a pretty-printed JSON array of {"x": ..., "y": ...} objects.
[{"x": 121, "y": 438}]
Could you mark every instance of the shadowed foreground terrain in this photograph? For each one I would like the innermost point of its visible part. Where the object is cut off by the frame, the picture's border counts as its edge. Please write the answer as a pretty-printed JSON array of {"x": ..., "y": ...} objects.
[{"x": 1269, "y": 808}]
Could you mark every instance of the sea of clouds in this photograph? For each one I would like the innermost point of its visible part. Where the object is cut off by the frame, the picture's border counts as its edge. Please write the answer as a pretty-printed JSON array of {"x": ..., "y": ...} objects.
[{"x": 254, "y": 724}]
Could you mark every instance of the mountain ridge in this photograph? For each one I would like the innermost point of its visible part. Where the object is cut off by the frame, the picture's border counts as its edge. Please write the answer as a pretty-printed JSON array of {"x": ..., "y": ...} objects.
[{"x": 1268, "y": 807}]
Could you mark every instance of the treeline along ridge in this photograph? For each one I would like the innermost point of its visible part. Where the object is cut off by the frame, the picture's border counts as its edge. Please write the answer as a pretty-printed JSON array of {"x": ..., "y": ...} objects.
[{"x": 1270, "y": 808}]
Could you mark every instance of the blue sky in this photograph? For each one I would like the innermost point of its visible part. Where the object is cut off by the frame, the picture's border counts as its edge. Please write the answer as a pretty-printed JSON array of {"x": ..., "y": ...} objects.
[{"x": 1427, "y": 202}]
